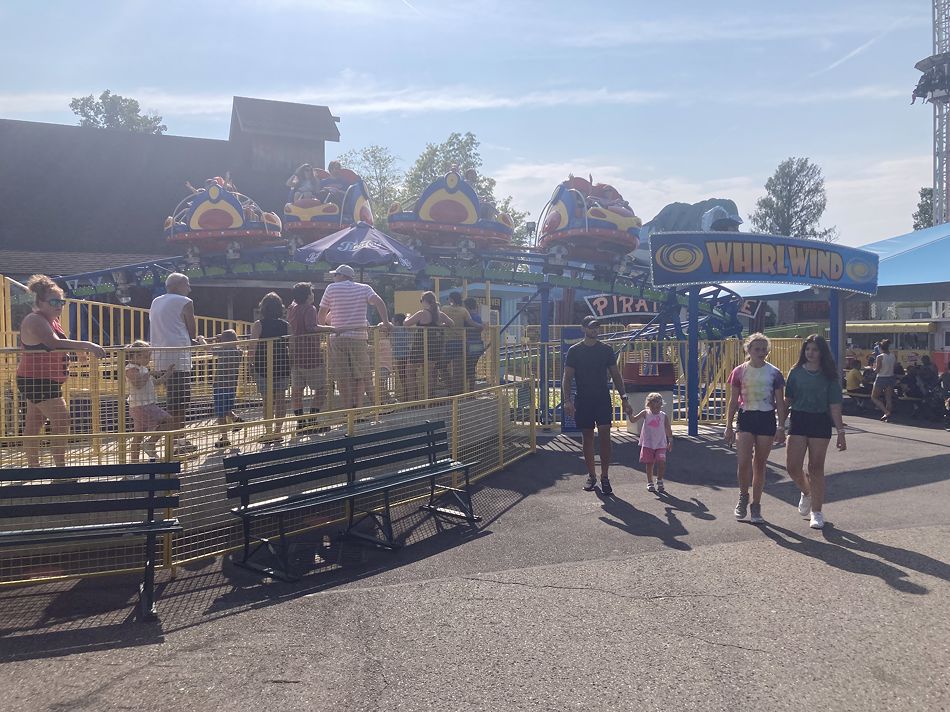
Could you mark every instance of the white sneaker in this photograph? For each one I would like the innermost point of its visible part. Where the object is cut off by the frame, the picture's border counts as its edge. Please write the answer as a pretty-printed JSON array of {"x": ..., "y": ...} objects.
[
  {"x": 804, "y": 505},
  {"x": 817, "y": 520}
]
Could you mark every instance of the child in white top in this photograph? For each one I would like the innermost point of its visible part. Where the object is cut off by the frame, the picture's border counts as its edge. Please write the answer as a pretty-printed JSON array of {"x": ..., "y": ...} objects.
[
  {"x": 147, "y": 415},
  {"x": 656, "y": 439}
]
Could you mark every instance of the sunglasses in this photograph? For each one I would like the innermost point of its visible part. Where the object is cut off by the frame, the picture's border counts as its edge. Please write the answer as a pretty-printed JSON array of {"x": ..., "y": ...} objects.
[{"x": 54, "y": 302}]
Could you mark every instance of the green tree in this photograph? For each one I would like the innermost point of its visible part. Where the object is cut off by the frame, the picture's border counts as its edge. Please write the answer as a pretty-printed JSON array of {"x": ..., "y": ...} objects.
[
  {"x": 379, "y": 169},
  {"x": 924, "y": 216},
  {"x": 794, "y": 202},
  {"x": 112, "y": 111}
]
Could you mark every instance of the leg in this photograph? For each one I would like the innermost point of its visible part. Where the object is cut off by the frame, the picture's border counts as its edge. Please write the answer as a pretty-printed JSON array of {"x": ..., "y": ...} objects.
[
  {"x": 817, "y": 450},
  {"x": 31, "y": 428},
  {"x": 603, "y": 434},
  {"x": 649, "y": 467},
  {"x": 135, "y": 452},
  {"x": 760, "y": 458},
  {"x": 745, "y": 442},
  {"x": 660, "y": 469},
  {"x": 795, "y": 448},
  {"x": 588, "y": 440},
  {"x": 876, "y": 398},
  {"x": 58, "y": 413},
  {"x": 889, "y": 399}
]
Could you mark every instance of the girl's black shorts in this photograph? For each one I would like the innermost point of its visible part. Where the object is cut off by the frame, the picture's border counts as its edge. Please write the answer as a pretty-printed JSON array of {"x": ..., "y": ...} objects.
[
  {"x": 811, "y": 425},
  {"x": 757, "y": 422}
]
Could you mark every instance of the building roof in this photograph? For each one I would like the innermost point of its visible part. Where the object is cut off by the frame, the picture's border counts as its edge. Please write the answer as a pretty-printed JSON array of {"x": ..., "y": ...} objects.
[
  {"x": 283, "y": 118},
  {"x": 20, "y": 263}
]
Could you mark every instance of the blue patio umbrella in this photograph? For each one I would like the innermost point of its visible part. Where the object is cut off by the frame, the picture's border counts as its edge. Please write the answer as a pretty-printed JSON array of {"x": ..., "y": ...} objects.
[{"x": 361, "y": 246}]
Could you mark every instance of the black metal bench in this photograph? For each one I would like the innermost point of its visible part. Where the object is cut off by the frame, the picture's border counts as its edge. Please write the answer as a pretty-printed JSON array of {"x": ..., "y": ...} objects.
[
  {"x": 345, "y": 470},
  {"x": 25, "y": 493}
]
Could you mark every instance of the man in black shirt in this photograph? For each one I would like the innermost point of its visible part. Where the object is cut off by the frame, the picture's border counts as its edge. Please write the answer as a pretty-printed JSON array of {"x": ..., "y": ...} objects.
[{"x": 588, "y": 364}]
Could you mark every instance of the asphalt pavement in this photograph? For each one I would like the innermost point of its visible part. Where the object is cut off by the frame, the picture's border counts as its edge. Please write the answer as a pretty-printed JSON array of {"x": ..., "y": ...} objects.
[{"x": 559, "y": 600}]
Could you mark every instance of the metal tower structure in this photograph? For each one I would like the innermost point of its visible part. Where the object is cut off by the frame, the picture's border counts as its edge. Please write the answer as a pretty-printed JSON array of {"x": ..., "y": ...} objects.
[{"x": 934, "y": 86}]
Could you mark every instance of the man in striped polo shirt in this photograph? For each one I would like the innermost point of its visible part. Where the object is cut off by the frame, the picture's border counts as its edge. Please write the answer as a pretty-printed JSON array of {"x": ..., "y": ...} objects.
[{"x": 343, "y": 307}]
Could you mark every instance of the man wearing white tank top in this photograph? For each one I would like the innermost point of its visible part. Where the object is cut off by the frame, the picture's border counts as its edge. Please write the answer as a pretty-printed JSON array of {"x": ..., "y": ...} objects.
[
  {"x": 884, "y": 380},
  {"x": 172, "y": 323}
]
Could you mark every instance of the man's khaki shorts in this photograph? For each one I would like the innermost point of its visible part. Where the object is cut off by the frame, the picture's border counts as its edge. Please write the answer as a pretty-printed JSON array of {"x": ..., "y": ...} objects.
[
  {"x": 316, "y": 378},
  {"x": 349, "y": 359}
]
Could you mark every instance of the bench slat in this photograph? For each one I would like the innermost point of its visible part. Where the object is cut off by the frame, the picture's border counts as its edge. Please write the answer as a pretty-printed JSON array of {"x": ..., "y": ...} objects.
[
  {"x": 87, "y": 506},
  {"x": 60, "y": 473},
  {"x": 395, "y": 433},
  {"x": 275, "y": 467},
  {"x": 257, "y": 486},
  {"x": 91, "y": 488},
  {"x": 403, "y": 456},
  {"x": 303, "y": 500},
  {"x": 403, "y": 444},
  {"x": 88, "y": 531},
  {"x": 284, "y": 453}
]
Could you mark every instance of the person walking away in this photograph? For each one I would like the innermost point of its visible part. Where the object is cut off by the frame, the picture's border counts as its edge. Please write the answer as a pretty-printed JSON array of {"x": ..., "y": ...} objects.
[
  {"x": 656, "y": 439},
  {"x": 813, "y": 391},
  {"x": 308, "y": 366},
  {"x": 343, "y": 306},
  {"x": 429, "y": 348},
  {"x": 227, "y": 368},
  {"x": 273, "y": 377},
  {"x": 589, "y": 363},
  {"x": 474, "y": 344},
  {"x": 147, "y": 415},
  {"x": 885, "y": 380},
  {"x": 44, "y": 368},
  {"x": 757, "y": 395},
  {"x": 172, "y": 324}
]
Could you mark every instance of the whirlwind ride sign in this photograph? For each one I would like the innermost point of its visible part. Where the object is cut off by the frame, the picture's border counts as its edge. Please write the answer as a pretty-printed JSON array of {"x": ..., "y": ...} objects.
[{"x": 687, "y": 258}]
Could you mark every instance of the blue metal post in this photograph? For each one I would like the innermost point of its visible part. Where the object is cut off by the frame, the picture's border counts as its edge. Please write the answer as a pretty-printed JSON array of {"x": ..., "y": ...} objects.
[
  {"x": 834, "y": 325},
  {"x": 545, "y": 292},
  {"x": 692, "y": 364}
]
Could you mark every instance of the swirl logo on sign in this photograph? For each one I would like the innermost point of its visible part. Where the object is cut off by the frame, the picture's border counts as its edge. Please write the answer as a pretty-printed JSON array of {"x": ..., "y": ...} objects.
[
  {"x": 860, "y": 270},
  {"x": 680, "y": 257}
]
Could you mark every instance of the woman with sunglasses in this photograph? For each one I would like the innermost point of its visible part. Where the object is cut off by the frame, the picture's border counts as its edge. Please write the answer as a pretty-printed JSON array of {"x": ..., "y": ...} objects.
[{"x": 43, "y": 368}]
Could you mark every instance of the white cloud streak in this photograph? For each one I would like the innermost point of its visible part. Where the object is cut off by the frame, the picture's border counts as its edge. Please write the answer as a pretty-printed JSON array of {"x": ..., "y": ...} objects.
[{"x": 861, "y": 48}]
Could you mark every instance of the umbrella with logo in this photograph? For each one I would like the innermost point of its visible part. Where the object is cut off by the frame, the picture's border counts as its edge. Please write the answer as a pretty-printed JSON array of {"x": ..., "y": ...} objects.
[{"x": 361, "y": 246}]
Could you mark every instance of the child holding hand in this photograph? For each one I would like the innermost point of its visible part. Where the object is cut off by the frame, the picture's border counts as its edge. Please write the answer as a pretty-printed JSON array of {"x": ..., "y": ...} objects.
[
  {"x": 656, "y": 439},
  {"x": 147, "y": 415}
]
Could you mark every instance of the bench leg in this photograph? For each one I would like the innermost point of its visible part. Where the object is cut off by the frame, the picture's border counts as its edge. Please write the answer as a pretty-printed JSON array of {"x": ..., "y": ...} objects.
[
  {"x": 463, "y": 497},
  {"x": 383, "y": 522},
  {"x": 147, "y": 588}
]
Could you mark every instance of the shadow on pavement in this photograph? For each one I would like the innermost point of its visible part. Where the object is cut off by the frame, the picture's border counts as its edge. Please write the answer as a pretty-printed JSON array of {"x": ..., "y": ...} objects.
[
  {"x": 628, "y": 518},
  {"x": 872, "y": 480},
  {"x": 842, "y": 557},
  {"x": 901, "y": 557}
]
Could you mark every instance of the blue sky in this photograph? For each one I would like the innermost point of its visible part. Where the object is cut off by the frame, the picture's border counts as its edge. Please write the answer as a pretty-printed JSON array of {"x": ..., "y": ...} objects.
[{"x": 667, "y": 101}]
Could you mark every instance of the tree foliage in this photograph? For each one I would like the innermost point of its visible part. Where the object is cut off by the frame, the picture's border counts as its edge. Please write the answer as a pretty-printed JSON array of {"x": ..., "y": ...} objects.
[
  {"x": 112, "y": 111},
  {"x": 924, "y": 215},
  {"x": 794, "y": 202},
  {"x": 379, "y": 169},
  {"x": 459, "y": 150}
]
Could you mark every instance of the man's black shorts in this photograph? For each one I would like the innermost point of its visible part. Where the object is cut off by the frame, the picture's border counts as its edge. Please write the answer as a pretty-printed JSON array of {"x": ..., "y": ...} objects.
[
  {"x": 810, "y": 425},
  {"x": 757, "y": 422},
  {"x": 589, "y": 412}
]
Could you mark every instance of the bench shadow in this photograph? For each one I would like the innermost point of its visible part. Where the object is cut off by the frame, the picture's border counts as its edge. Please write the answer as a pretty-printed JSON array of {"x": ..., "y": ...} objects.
[
  {"x": 626, "y": 517},
  {"x": 67, "y": 617},
  {"x": 842, "y": 557}
]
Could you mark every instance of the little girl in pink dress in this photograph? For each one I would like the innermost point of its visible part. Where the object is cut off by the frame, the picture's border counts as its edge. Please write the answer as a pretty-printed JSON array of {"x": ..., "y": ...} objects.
[{"x": 656, "y": 439}]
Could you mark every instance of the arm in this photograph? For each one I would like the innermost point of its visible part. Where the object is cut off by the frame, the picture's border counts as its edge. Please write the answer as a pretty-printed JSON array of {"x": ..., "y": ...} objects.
[
  {"x": 188, "y": 316},
  {"x": 731, "y": 410},
  {"x": 322, "y": 315},
  {"x": 445, "y": 319},
  {"x": 669, "y": 432},
  {"x": 878, "y": 362},
  {"x": 639, "y": 416},
  {"x": 618, "y": 384},
  {"x": 136, "y": 377},
  {"x": 40, "y": 329},
  {"x": 414, "y": 319},
  {"x": 312, "y": 323},
  {"x": 255, "y": 335},
  {"x": 567, "y": 384},
  {"x": 377, "y": 302},
  {"x": 839, "y": 425},
  {"x": 781, "y": 410}
]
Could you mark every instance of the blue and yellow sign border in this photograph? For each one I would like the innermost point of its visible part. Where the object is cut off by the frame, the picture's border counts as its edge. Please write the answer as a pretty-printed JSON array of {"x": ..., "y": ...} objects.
[{"x": 680, "y": 259}]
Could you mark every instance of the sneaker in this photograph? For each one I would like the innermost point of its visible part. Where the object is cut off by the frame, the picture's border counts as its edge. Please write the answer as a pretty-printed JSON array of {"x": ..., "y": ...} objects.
[
  {"x": 742, "y": 506},
  {"x": 651, "y": 487},
  {"x": 659, "y": 487},
  {"x": 817, "y": 520},
  {"x": 804, "y": 505},
  {"x": 590, "y": 484},
  {"x": 755, "y": 514},
  {"x": 148, "y": 449},
  {"x": 605, "y": 486},
  {"x": 223, "y": 441}
]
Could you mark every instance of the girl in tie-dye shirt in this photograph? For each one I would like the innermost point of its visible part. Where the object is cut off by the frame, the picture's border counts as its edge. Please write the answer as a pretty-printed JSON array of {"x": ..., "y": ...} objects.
[{"x": 757, "y": 393}]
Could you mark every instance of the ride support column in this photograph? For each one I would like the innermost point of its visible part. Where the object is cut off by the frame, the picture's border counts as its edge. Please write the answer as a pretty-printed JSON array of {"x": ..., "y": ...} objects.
[
  {"x": 544, "y": 291},
  {"x": 692, "y": 364}
]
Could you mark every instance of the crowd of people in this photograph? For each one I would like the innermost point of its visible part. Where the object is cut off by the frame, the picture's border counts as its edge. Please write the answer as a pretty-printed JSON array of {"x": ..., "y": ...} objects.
[{"x": 307, "y": 348}]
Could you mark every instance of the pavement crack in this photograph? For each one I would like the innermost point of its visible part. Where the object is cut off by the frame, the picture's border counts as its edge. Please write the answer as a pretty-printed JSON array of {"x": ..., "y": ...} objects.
[
  {"x": 721, "y": 645},
  {"x": 606, "y": 591}
]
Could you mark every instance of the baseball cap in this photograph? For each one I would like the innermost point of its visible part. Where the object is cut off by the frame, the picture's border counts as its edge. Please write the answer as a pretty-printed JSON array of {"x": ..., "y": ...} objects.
[
  {"x": 590, "y": 321},
  {"x": 344, "y": 270}
]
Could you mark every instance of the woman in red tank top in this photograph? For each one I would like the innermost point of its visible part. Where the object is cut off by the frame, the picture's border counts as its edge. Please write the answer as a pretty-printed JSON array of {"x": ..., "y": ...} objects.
[{"x": 43, "y": 368}]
